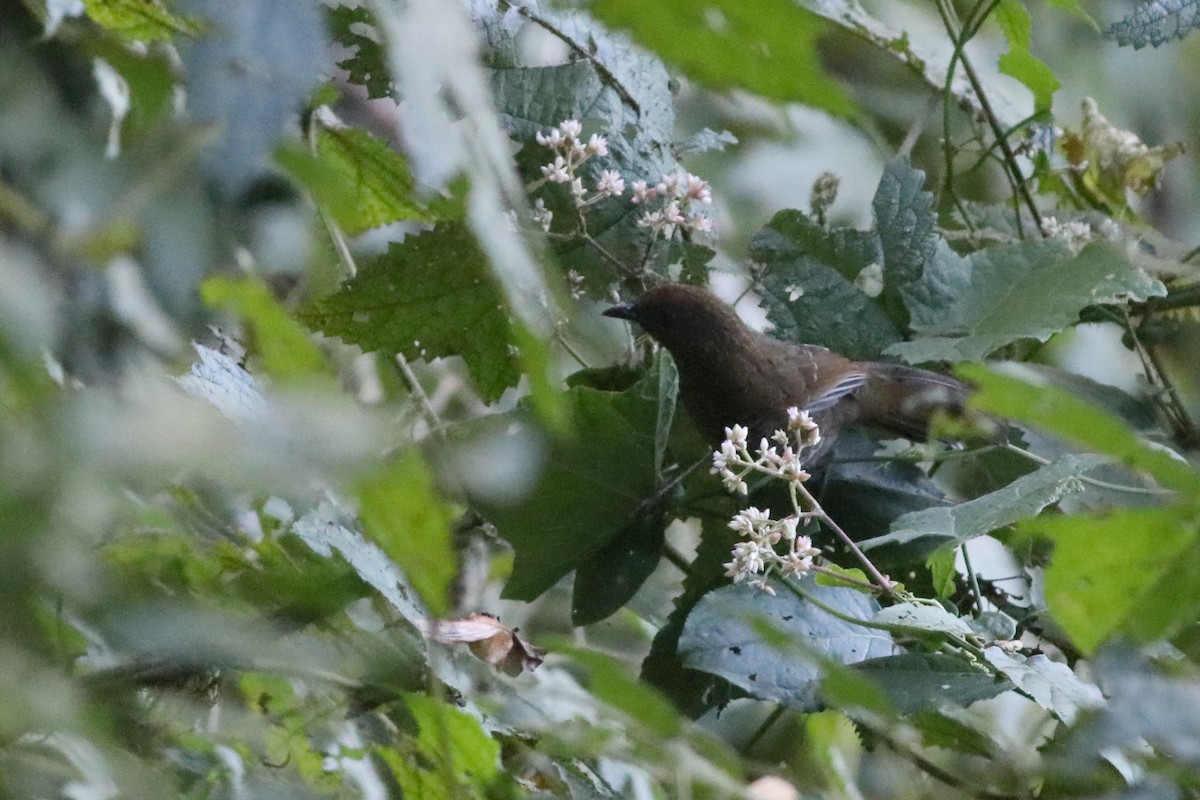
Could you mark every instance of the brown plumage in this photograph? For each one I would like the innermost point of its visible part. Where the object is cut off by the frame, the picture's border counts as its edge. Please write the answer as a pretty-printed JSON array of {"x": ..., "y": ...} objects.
[{"x": 731, "y": 374}]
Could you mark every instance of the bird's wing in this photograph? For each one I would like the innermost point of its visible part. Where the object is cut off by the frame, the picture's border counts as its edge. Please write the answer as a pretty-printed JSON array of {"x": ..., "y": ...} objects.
[{"x": 828, "y": 397}]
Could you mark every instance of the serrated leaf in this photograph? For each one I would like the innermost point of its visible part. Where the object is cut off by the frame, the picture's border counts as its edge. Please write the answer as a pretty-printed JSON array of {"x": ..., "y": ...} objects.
[
  {"x": 811, "y": 302},
  {"x": 951, "y": 526},
  {"x": 139, "y": 20},
  {"x": 964, "y": 308},
  {"x": 916, "y": 682},
  {"x": 904, "y": 221},
  {"x": 368, "y": 66},
  {"x": 1061, "y": 414},
  {"x": 1156, "y": 23},
  {"x": 402, "y": 512},
  {"x": 358, "y": 179},
  {"x": 430, "y": 296},
  {"x": 767, "y": 47},
  {"x": 773, "y": 646},
  {"x": 1052, "y": 685},
  {"x": 1134, "y": 572},
  {"x": 285, "y": 347}
]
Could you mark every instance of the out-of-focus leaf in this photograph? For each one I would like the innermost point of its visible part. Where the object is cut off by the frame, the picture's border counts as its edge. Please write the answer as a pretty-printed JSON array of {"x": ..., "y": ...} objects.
[
  {"x": 1018, "y": 62},
  {"x": 326, "y": 530},
  {"x": 950, "y": 526},
  {"x": 357, "y": 178},
  {"x": 964, "y": 308},
  {"x": 140, "y": 20},
  {"x": 607, "y": 580},
  {"x": 429, "y": 296},
  {"x": 773, "y": 646},
  {"x": 1156, "y": 23},
  {"x": 1061, "y": 414},
  {"x": 916, "y": 682},
  {"x": 607, "y": 680},
  {"x": 1135, "y": 572},
  {"x": 367, "y": 67},
  {"x": 1051, "y": 684},
  {"x": 767, "y": 47},
  {"x": 248, "y": 74},
  {"x": 287, "y": 352},
  {"x": 455, "y": 755},
  {"x": 588, "y": 493},
  {"x": 402, "y": 512}
]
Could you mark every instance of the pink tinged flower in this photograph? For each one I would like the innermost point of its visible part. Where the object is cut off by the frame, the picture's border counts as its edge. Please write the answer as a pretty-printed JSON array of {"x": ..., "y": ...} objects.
[
  {"x": 701, "y": 224},
  {"x": 577, "y": 188},
  {"x": 554, "y": 141},
  {"x": 673, "y": 215},
  {"x": 597, "y": 145},
  {"x": 641, "y": 192},
  {"x": 651, "y": 219},
  {"x": 737, "y": 434},
  {"x": 541, "y": 215},
  {"x": 610, "y": 184},
  {"x": 697, "y": 189},
  {"x": 571, "y": 128}
]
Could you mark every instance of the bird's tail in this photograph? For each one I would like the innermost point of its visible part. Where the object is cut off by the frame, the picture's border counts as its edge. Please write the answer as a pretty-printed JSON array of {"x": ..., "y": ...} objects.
[{"x": 904, "y": 399}]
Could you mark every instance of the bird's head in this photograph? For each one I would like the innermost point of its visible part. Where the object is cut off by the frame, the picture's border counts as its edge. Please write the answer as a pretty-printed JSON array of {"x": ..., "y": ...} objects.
[{"x": 683, "y": 318}]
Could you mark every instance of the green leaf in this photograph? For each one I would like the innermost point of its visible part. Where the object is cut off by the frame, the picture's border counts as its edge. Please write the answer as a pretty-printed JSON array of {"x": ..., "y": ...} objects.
[
  {"x": 904, "y": 220},
  {"x": 368, "y": 66},
  {"x": 139, "y": 20},
  {"x": 1052, "y": 685},
  {"x": 402, "y": 512},
  {"x": 951, "y": 526},
  {"x": 767, "y": 47},
  {"x": 284, "y": 345},
  {"x": 773, "y": 646},
  {"x": 361, "y": 181},
  {"x": 811, "y": 302},
  {"x": 608, "y": 579},
  {"x": 964, "y": 308},
  {"x": 1018, "y": 62},
  {"x": 1072, "y": 7},
  {"x": 921, "y": 619},
  {"x": 1061, "y": 414},
  {"x": 916, "y": 682},
  {"x": 430, "y": 296},
  {"x": 454, "y": 756},
  {"x": 1135, "y": 572},
  {"x": 607, "y": 680},
  {"x": 588, "y": 492}
]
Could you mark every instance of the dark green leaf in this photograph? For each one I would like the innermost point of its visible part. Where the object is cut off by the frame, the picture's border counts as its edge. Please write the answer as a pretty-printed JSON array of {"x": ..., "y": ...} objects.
[
  {"x": 964, "y": 308},
  {"x": 589, "y": 491},
  {"x": 904, "y": 220},
  {"x": 773, "y": 646},
  {"x": 813, "y": 303},
  {"x": 951, "y": 526},
  {"x": 608, "y": 579},
  {"x": 429, "y": 296},
  {"x": 368, "y": 66},
  {"x": 916, "y": 682}
]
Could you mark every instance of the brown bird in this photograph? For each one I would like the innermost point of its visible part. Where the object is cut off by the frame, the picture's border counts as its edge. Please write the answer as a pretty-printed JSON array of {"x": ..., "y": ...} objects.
[{"x": 730, "y": 374}]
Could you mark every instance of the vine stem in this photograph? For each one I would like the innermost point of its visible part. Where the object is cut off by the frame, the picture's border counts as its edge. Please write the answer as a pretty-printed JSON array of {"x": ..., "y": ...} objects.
[{"x": 880, "y": 580}]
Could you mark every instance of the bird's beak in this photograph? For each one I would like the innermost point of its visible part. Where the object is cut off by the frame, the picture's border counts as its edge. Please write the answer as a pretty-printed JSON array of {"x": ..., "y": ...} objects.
[{"x": 622, "y": 311}]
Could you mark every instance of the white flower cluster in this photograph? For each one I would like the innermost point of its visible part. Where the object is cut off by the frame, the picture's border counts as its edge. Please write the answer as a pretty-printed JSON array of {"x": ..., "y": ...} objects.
[
  {"x": 681, "y": 197},
  {"x": 733, "y": 461},
  {"x": 570, "y": 152},
  {"x": 755, "y": 557},
  {"x": 1077, "y": 233}
]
